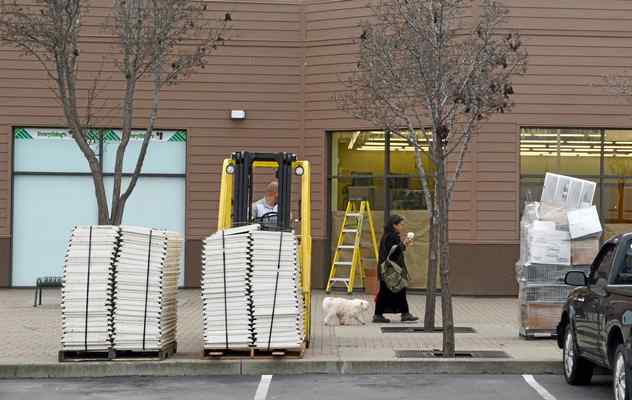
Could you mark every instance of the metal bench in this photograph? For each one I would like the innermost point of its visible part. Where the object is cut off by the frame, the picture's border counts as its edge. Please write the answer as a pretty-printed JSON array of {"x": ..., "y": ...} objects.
[{"x": 45, "y": 282}]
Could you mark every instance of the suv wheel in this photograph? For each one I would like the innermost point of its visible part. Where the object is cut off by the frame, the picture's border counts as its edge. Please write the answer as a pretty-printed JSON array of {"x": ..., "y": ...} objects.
[
  {"x": 577, "y": 370},
  {"x": 621, "y": 377}
]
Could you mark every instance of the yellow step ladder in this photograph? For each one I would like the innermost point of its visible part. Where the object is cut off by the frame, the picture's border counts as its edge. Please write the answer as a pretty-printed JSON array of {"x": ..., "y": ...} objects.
[{"x": 344, "y": 270}]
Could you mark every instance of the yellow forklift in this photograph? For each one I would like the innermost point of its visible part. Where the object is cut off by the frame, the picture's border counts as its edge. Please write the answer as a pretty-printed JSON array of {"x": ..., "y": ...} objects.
[{"x": 236, "y": 199}]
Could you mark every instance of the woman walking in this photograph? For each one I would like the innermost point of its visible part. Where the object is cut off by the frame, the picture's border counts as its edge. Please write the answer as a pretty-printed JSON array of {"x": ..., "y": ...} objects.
[{"x": 386, "y": 301}]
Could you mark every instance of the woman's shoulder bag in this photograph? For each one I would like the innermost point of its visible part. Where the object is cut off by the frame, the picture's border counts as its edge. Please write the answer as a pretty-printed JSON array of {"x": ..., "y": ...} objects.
[{"x": 394, "y": 276}]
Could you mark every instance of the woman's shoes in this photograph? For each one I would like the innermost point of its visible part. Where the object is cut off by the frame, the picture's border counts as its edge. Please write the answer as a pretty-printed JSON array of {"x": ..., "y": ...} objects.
[
  {"x": 408, "y": 317},
  {"x": 379, "y": 319}
]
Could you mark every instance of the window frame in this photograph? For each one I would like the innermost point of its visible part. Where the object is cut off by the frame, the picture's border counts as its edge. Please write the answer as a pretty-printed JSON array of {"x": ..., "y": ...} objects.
[
  {"x": 388, "y": 177},
  {"x": 603, "y": 179}
]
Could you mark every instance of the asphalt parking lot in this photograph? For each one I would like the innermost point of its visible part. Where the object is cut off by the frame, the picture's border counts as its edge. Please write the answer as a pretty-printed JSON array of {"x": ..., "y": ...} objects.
[{"x": 307, "y": 387}]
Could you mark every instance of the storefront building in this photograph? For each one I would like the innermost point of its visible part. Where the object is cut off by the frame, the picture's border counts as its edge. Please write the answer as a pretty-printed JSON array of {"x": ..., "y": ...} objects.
[{"x": 283, "y": 65}]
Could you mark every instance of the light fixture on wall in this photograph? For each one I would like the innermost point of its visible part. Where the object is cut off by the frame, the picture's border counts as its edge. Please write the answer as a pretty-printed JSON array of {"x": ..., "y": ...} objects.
[{"x": 237, "y": 115}]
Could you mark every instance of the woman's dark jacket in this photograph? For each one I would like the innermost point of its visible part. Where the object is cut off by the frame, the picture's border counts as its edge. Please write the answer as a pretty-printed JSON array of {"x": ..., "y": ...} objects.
[{"x": 387, "y": 242}]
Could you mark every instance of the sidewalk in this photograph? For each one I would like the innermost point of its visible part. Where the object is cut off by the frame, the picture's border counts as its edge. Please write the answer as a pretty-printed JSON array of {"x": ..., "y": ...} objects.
[{"x": 30, "y": 343}]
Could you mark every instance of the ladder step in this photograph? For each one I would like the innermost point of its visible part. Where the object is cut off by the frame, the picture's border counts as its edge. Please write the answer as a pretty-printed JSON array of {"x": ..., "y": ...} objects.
[
  {"x": 345, "y": 280},
  {"x": 345, "y": 246},
  {"x": 343, "y": 263},
  {"x": 354, "y": 215},
  {"x": 350, "y": 230}
]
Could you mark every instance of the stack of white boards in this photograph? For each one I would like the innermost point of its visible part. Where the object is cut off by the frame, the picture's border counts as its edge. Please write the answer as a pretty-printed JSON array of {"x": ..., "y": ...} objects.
[
  {"x": 276, "y": 294},
  {"x": 87, "y": 288},
  {"x": 226, "y": 294},
  {"x": 145, "y": 289},
  {"x": 250, "y": 290}
]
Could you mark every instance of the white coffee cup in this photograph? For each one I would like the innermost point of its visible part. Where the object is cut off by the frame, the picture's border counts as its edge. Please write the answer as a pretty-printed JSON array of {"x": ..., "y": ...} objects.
[{"x": 411, "y": 235}]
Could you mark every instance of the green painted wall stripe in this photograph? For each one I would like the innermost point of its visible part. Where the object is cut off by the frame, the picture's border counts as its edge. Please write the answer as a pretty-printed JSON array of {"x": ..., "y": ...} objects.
[
  {"x": 108, "y": 136},
  {"x": 111, "y": 136},
  {"x": 93, "y": 135},
  {"x": 179, "y": 136},
  {"x": 22, "y": 133}
]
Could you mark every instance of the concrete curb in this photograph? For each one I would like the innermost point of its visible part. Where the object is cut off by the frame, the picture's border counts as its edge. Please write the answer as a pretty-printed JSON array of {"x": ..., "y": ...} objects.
[
  {"x": 179, "y": 367},
  {"x": 110, "y": 369}
]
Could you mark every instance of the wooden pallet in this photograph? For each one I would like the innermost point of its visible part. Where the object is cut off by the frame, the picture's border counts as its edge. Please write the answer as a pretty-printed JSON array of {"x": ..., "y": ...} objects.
[
  {"x": 85, "y": 355},
  {"x": 246, "y": 352},
  {"x": 252, "y": 352},
  {"x": 298, "y": 352},
  {"x": 140, "y": 354},
  {"x": 119, "y": 355}
]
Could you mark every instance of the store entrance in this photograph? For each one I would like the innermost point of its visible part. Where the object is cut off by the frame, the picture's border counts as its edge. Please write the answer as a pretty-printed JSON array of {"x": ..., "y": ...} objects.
[{"x": 380, "y": 168}]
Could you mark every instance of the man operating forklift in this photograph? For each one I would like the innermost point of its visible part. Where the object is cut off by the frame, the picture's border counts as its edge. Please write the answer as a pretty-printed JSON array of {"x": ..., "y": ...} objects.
[{"x": 267, "y": 208}]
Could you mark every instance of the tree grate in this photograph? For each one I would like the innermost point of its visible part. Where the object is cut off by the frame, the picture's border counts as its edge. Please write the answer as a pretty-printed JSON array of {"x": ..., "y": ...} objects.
[
  {"x": 459, "y": 354},
  {"x": 420, "y": 329}
]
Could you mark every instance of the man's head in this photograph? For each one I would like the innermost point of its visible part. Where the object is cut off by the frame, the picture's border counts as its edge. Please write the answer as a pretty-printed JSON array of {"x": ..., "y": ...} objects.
[{"x": 272, "y": 193}]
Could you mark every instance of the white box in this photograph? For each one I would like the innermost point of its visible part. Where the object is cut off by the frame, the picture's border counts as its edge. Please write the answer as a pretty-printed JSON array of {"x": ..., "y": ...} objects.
[
  {"x": 570, "y": 193},
  {"x": 547, "y": 245},
  {"x": 584, "y": 222}
]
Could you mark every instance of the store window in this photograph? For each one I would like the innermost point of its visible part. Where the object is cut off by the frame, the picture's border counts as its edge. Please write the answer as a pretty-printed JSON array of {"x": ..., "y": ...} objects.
[
  {"x": 53, "y": 191},
  {"x": 369, "y": 165},
  {"x": 603, "y": 156}
]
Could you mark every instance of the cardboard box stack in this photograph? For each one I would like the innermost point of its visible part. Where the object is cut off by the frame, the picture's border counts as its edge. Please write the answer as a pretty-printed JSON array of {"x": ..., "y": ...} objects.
[{"x": 558, "y": 234}]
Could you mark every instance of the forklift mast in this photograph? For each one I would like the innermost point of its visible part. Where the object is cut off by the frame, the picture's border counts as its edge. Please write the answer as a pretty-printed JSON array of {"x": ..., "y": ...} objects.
[
  {"x": 236, "y": 198},
  {"x": 243, "y": 186}
]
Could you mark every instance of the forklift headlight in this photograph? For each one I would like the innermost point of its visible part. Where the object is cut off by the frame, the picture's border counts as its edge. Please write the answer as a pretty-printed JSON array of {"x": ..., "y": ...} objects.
[
  {"x": 230, "y": 169},
  {"x": 299, "y": 171}
]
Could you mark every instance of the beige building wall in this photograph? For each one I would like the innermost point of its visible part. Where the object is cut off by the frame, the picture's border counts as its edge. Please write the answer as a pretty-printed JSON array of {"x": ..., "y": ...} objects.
[{"x": 283, "y": 65}]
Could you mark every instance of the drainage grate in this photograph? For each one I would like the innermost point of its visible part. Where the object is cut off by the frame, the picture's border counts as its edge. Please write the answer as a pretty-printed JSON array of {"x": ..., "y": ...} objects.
[
  {"x": 459, "y": 354},
  {"x": 420, "y": 329}
]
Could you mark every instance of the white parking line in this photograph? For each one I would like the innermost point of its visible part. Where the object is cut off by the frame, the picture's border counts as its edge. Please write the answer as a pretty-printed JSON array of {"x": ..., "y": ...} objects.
[
  {"x": 264, "y": 386},
  {"x": 545, "y": 394}
]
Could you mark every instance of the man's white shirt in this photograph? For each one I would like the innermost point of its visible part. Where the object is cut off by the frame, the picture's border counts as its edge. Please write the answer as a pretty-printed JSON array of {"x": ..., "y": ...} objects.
[{"x": 261, "y": 208}]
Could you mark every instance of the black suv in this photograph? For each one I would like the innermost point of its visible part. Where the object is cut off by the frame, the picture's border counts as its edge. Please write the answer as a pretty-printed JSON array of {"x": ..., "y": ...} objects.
[{"x": 596, "y": 321}]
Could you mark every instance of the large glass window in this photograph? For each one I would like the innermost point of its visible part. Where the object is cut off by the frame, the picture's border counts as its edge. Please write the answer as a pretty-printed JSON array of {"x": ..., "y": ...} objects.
[
  {"x": 53, "y": 191},
  {"x": 359, "y": 172},
  {"x": 358, "y": 168},
  {"x": 603, "y": 156}
]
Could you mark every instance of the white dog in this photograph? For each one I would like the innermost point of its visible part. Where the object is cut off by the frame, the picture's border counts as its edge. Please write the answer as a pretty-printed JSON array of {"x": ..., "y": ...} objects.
[{"x": 344, "y": 311}]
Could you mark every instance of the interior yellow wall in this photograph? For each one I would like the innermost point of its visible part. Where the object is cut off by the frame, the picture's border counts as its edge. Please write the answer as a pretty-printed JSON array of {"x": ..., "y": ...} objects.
[
  {"x": 352, "y": 161},
  {"x": 416, "y": 256},
  {"x": 539, "y": 165}
]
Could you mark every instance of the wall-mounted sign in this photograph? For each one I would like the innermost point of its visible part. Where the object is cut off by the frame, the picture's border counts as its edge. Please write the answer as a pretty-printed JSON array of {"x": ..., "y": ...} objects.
[{"x": 109, "y": 135}]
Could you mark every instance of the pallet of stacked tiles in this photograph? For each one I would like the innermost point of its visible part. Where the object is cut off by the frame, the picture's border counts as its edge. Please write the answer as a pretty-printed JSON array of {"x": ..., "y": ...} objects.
[
  {"x": 226, "y": 293},
  {"x": 86, "y": 303},
  {"x": 145, "y": 293},
  {"x": 276, "y": 295}
]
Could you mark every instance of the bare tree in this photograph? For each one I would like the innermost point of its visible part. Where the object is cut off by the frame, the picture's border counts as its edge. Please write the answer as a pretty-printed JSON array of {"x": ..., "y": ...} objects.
[
  {"x": 157, "y": 41},
  {"x": 432, "y": 71}
]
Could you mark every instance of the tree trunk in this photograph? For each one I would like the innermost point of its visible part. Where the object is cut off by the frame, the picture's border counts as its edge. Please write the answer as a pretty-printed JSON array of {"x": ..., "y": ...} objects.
[
  {"x": 102, "y": 202},
  {"x": 431, "y": 301},
  {"x": 443, "y": 247},
  {"x": 429, "y": 317},
  {"x": 122, "y": 201}
]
